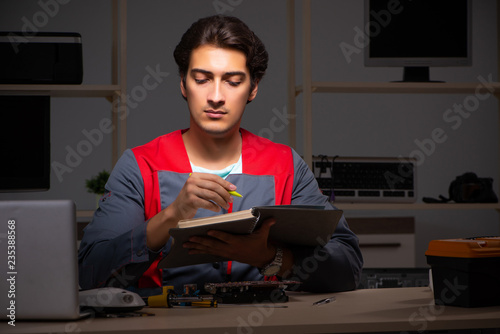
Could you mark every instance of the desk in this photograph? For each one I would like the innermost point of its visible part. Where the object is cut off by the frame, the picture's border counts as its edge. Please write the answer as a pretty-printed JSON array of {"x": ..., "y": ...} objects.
[{"x": 373, "y": 310}]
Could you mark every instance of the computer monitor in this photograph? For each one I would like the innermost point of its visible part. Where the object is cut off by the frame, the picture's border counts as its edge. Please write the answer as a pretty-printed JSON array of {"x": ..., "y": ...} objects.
[
  {"x": 24, "y": 143},
  {"x": 417, "y": 35}
]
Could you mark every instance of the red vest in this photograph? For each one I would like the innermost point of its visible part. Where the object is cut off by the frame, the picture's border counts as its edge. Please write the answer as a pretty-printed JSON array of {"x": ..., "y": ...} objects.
[{"x": 260, "y": 156}]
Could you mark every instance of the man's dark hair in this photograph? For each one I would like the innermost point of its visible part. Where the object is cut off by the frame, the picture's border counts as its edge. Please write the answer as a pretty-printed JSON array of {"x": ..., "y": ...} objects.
[{"x": 223, "y": 32}]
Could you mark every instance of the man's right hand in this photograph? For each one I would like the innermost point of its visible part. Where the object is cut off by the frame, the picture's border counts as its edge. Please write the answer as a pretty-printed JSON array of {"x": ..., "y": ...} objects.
[{"x": 201, "y": 190}]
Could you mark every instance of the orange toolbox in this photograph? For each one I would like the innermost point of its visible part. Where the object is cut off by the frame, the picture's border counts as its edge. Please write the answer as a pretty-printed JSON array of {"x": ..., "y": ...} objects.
[{"x": 465, "y": 272}]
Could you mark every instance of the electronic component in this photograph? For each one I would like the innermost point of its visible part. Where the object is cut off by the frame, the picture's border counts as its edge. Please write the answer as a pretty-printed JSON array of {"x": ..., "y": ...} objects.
[
  {"x": 378, "y": 278},
  {"x": 375, "y": 180},
  {"x": 250, "y": 291}
]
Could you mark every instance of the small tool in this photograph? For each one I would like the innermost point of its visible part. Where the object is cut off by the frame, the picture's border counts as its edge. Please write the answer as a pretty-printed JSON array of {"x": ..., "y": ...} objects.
[
  {"x": 324, "y": 301},
  {"x": 169, "y": 299}
]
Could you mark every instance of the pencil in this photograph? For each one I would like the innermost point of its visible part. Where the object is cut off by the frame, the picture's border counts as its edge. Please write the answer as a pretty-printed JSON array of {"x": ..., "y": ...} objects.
[{"x": 234, "y": 193}]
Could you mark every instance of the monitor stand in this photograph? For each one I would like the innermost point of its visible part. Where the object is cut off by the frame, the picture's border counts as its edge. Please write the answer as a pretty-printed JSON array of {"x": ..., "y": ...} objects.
[{"x": 416, "y": 74}]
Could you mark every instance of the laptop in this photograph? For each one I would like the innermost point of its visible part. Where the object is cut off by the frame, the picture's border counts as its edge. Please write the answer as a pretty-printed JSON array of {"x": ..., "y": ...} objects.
[{"x": 38, "y": 245}]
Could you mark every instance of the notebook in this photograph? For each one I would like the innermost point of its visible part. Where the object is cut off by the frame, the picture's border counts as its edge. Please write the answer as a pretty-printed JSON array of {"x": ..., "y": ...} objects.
[{"x": 38, "y": 247}]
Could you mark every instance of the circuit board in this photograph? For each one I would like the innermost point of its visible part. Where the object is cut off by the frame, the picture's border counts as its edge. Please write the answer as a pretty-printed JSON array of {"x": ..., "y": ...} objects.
[{"x": 247, "y": 292}]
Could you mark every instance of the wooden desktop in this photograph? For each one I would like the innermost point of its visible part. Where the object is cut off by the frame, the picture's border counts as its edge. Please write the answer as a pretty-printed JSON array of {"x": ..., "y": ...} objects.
[{"x": 360, "y": 311}]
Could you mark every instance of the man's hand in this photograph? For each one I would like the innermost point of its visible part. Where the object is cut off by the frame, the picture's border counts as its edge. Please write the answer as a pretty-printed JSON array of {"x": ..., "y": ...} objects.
[
  {"x": 201, "y": 190},
  {"x": 253, "y": 249},
  {"x": 205, "y": 191}
]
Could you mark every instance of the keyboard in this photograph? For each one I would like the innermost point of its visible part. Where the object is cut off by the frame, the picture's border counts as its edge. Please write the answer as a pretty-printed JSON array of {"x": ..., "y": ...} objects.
[{"x": 368, "y": 180}]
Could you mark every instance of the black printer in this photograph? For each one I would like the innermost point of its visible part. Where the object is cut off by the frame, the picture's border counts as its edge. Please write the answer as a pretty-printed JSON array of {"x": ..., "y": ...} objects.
[{"x": 41, "y": 58}]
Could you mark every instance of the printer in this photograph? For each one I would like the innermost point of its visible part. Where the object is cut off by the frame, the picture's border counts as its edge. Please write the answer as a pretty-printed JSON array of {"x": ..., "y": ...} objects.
[{"x": 40, "y": 58}]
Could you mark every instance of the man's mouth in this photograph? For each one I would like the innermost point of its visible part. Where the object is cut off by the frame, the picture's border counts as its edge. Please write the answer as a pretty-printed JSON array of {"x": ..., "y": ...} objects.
[{"x": 215, "y": 113}]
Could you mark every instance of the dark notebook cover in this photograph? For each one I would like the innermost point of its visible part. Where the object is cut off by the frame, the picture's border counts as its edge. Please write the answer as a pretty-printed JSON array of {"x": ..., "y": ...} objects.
[{"x": 295, "y": 225}]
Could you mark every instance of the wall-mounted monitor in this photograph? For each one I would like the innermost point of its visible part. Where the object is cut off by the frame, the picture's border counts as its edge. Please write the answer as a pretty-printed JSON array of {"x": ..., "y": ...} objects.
[
  {"x": 418, "y": 34},
  {"x": 24, "y": 143}
]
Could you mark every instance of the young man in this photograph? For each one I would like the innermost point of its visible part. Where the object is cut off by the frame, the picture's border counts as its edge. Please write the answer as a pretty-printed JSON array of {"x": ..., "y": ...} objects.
[{"x": 188, "y": 173}]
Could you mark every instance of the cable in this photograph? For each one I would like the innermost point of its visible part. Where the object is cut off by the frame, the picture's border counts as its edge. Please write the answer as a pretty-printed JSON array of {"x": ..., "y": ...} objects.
[{"x": 332, "y": 188}]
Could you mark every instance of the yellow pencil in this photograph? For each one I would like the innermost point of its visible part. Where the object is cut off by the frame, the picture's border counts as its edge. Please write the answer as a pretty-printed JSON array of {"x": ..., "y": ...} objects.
[{"x": 234, "y": 193}]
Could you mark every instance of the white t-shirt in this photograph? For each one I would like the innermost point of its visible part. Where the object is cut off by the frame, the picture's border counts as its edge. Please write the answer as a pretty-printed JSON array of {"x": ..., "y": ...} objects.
[{"x": 235, "y": 168}]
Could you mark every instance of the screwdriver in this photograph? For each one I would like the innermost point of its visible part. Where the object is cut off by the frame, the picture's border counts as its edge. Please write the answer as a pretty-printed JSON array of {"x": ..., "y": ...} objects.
[{"x": 169, "y": 299}]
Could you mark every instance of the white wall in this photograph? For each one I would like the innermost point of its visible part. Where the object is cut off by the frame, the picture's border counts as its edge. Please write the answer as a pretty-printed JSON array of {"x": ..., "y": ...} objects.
[{"x": 344, "y": 124}]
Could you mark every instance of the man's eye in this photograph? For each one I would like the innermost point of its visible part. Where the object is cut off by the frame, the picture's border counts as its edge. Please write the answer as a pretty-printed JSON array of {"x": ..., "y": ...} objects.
[
  {"x": 234, "y": 83},
  {"x": 200, "y": 81}
]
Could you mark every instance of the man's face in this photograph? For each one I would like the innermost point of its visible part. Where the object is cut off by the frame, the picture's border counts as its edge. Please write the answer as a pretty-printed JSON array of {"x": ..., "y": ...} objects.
[{"x": 217, "y": 89}]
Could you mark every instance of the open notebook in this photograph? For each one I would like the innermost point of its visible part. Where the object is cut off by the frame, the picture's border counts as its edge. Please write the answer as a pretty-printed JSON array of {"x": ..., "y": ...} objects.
[{"x": 38, "y": 246}]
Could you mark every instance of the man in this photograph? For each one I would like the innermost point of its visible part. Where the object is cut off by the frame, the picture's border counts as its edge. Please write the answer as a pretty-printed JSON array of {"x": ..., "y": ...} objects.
[{"x": 189, "y": 173}]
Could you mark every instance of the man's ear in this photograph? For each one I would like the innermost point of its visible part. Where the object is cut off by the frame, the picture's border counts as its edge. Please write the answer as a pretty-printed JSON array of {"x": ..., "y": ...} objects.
[
  {"x": 253, "y": 92},
  {"x": 183, "y": 87}
]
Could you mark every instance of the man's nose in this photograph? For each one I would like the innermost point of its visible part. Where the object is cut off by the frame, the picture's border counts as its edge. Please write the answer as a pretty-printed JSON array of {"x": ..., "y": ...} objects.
[{"x": 216, "y": 94}]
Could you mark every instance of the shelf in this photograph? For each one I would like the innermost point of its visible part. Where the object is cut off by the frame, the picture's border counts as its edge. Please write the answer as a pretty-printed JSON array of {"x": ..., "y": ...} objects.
[
  {"x": 417, "y": 206},
  {"x": 400, "y": 87},
  {"x": 85, "y": 213},
  {"x": 112, "y": 92},
  {"x": 61, "y": 90}
]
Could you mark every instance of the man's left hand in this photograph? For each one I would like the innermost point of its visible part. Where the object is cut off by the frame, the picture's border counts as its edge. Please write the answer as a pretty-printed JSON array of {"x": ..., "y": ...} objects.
[{"x": 253, "y": 249}]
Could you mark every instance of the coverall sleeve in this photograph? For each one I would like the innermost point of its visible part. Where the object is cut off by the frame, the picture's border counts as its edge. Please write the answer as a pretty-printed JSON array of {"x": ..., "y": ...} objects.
[
  {"x": 335, "y": 266},
  {"x": 113, "y": 251}
]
